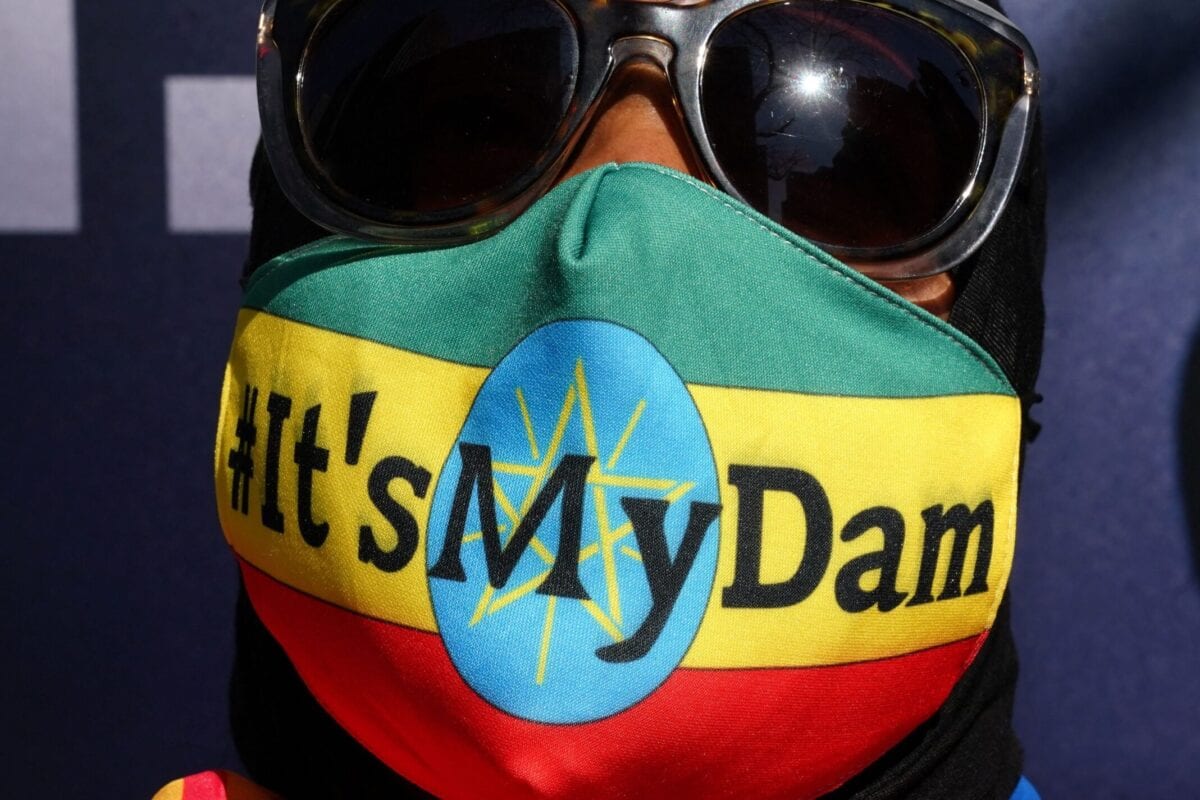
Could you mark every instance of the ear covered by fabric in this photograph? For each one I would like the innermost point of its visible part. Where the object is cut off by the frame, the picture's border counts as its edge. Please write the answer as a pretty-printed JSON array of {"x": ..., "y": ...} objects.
[{"x": 290, "y": 743}]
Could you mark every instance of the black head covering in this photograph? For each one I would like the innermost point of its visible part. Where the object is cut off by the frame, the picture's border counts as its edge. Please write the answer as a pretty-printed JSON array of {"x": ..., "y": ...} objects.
[{"x": 967, "y": 751}]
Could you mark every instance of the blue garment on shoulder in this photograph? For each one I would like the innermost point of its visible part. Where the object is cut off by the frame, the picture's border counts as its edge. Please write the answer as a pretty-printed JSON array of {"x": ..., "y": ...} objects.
[{"x": 1025, "y": 791}]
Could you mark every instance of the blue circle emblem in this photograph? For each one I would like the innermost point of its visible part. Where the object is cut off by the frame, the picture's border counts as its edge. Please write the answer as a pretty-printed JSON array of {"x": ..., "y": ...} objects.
[{"x": 572, "y": 537}]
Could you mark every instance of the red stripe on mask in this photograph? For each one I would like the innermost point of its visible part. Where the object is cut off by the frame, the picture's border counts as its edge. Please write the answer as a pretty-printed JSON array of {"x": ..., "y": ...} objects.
[{"x": 704, "y": 733}]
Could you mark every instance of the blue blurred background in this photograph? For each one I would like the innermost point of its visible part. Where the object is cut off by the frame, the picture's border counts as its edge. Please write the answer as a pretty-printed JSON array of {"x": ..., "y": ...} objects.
[{"x": 126, "y": 130}]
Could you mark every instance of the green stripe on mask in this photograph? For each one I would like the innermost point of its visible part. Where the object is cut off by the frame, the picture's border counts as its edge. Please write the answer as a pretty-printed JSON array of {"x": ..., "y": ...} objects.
[{"x": 729, "y": 297}]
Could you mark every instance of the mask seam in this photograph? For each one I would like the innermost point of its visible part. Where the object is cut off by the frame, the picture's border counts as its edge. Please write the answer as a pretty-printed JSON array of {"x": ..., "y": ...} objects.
[
  {"x": 821, "y": 257},
  {"x": 283, "y": 259},
  {"x": 810, "y": 250}
]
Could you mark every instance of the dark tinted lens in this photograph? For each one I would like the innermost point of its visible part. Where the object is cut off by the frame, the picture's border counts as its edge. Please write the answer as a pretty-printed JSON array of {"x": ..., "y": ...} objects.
[
  {"x": 851, "y": 125},
  {"x": 427, "y": 107}
]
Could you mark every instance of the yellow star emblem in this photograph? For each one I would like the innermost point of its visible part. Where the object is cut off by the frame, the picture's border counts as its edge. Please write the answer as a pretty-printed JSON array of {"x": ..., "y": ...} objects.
[{"x": 608, "y": 543}]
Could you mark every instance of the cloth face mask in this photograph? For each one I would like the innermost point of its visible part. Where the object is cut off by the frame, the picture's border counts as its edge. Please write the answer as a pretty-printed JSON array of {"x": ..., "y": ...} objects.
[{"x": 642, "y": 494}]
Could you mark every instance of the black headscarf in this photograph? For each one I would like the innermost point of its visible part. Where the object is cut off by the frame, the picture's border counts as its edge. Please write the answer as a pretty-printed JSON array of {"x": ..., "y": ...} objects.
[{"x": 967, "y": 751}]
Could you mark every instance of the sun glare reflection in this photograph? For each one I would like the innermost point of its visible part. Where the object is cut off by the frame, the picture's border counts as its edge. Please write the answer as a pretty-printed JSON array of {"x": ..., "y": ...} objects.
[
  {"x": 812, "y": 83},
  {"x": 818, "y": 82}
]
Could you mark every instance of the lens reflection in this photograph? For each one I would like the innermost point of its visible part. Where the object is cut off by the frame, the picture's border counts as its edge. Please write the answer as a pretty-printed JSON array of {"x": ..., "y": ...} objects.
[
  {"x": 852, "y": 125},
  {"x": 430, "y": 107}
]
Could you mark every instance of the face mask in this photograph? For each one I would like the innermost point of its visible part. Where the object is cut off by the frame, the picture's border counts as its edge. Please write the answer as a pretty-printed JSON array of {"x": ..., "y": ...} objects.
[{"x": 643, "y": 493}]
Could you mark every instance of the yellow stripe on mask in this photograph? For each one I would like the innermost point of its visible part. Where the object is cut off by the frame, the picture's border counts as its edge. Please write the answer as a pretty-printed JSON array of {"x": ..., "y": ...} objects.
[
  {"x": 421, "y": 403},
  {"x": 909, "y": 456},
  {"x": 910, "y": 466}
]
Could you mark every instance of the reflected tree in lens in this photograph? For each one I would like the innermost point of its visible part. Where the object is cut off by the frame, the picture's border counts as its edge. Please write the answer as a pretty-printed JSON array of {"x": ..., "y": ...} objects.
[{"x": 852, "y": 125}]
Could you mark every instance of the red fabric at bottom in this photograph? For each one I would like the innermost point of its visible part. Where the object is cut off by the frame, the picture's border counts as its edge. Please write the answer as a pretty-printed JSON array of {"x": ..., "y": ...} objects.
[
  {"x": 204, "y": 786},
  {"x": 787, "y": 733},
  {"x": 221, "y": 785}
]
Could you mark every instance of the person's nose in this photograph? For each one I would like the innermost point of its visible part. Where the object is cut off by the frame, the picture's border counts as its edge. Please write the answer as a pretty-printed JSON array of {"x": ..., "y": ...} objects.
[{"x": 636, "y": 121}]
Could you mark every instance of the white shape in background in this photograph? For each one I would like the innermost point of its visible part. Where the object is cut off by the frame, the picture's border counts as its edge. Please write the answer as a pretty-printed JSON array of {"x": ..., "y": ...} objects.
[
  {"x": 39, "y": 118},
  {"x": 212, "y": 128}
]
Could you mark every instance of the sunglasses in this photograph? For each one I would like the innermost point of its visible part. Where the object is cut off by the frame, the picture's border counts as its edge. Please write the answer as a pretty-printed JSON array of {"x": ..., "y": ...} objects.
[{"x": 888, "y": 132}]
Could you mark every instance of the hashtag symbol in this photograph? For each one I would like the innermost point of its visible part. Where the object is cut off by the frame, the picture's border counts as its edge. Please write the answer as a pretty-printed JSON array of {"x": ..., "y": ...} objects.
[{"x": 241, "y": 458}]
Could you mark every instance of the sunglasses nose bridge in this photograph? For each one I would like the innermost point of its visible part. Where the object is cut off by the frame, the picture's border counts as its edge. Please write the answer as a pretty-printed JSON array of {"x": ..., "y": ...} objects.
[
  {"x": 642, "y": 47},
  {"x": 631, "y": 48}
]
